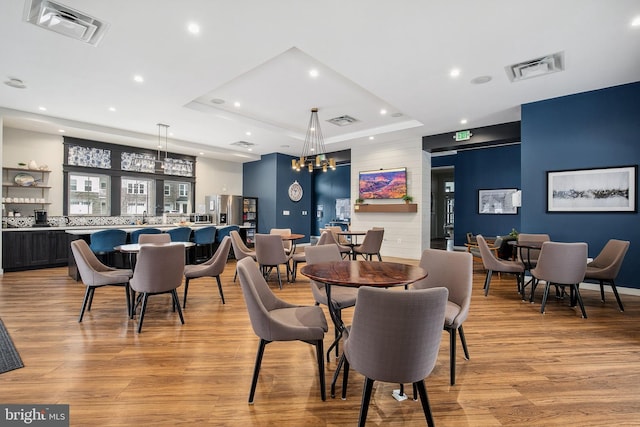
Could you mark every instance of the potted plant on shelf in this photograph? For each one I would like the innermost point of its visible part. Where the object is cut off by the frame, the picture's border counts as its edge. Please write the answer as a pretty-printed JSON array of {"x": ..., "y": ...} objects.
[
  {"x": 407, "y": 199},
  {"x": 359, "y": 201}
]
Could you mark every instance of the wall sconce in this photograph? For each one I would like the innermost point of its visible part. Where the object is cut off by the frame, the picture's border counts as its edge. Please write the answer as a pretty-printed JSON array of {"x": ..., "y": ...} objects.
[{"x": 516, "y": 199}]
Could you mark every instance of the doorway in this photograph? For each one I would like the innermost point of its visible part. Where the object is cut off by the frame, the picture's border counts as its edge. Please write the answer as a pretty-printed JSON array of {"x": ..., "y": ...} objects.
[{"x": 442, "y": 206}]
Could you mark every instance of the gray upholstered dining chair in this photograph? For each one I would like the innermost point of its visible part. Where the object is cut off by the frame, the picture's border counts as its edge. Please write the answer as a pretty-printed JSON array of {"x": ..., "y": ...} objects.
[
  {"x": 154, "y": 238},
  {"x": 495, "y": 265},
  {"x": 288, "y": 246},
  {"x": 561, "y": 264},
  {"x": 454, "y": 271},
  {"x": 371, "y": 244},
  {"x": 606, "y": 266},
  {"x": 404, "y": 350},
  {"x": 329, "y": 238},
  {"x": 240, "y": 249},
  {"x": 95, "y": 274},
  {"x": 274, "y": 319},
  {"x": 341, "y": 296},
  {"x": 530, "y": 256},
  {"x": 159, "y": 270},
  {"x": 270, "y": 254},
  {"x": 213, "y": 267}
]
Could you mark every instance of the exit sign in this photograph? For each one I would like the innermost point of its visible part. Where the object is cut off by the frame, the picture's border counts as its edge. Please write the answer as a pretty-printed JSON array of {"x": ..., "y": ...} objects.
[{"x": 462, "y": 135}]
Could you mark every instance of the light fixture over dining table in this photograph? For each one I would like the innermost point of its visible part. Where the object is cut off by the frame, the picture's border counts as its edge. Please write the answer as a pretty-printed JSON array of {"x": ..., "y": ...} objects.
[{"x": 313, "y": 152}]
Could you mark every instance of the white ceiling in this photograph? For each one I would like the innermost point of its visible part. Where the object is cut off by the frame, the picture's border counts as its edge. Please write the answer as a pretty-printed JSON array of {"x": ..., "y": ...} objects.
[{"x": 369, "y": 56}]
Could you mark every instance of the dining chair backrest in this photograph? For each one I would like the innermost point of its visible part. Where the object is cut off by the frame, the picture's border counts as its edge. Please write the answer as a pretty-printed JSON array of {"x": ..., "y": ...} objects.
[
  {"x": 395, "y": 336},
  {"x": 562, "y": 263},
  {"x": 269, "y": 249},
  {"x": 240, "y": 250},
  {"x": 179, "y": 234},
  {"x": 104, "y": 241},
  {"x": 90, "y": 267},
  {"x": 335, "y": 229},
  {"x": 283, "y": 232},
  {"x": 204, "y": 235},
  {"x": 607, "y": 263},
  {"x": 154, "y": 238},
  {"x": 321, "y": 253},
  {"x": 225, "y": 231},
  {"x": 326, "y": 238},
  {"x": 532, "y": 238},
  {"x": 134, "y": 236},
  {"x": 158, "y": 268}
]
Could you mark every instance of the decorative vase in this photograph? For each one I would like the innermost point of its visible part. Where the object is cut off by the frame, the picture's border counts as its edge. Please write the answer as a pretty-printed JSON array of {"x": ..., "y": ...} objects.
[{"x": 33, "y": 165}]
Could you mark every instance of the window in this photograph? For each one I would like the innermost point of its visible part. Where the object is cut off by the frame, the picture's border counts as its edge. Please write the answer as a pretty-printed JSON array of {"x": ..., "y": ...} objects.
[
  {"x": 177, "y": 196},
  {"x": 137, "y": 196},
  {"x": 93, "y": 199}
]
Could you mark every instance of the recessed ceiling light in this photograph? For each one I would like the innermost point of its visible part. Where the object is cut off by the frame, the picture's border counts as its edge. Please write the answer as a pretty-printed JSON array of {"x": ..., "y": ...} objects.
[
  {"x": 383, "y": 111},
  {"x": 372, "y": 137},
  {"x": 42, "y": 108},
  {"x": 138, "y": 78},
  {"x": 61, "y": 130},
  {"x": 454, "y": 72},
  {"x": 313, "y": 73},
  {"x": 236, "y": 104},
  {"x": 636, "y": 22},
  {"x": 193, "y": 28},
  {"x": 463, "y": 121},
  {"x": 248, "y": 133},
  {"x": 481, "y": 80},
  {"x": 201, "y": 153},
  {"x": 112, "y": 108}
]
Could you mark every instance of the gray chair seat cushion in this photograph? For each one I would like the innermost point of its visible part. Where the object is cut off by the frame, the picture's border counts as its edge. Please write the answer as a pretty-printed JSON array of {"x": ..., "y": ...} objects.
[{"x": 298, "y": 323}]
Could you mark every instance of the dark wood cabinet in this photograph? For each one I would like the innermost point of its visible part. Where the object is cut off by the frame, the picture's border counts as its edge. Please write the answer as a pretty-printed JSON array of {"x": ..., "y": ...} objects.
[{"x": 26, "y": 250}]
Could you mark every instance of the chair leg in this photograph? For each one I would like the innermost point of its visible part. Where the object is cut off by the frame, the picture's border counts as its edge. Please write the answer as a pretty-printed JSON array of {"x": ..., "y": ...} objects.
[
  {"x": 219, "y": 289},
  {"x": 424, "y": 399},
  {"x": 602, "y": 290},
  {"x": 176, "y": 303},
  {"x": 463, "y": 341},
  {"x": 256, "y": 369},
  {"x": 615, "y": 292},
  {"x": 145, "y": 297},
  {"x": 279, "y": 278},
  {"x": 186, "y": 289},
  {"x": 127, "y": 291},
  {"x": 320, "y": 356},
  {"x": 345, "y": 377},
  {"x": 487, "y": 282},
  {"x": 366, "y": 398},
  {"x": 579, "y": 297},
  {"x": 342, "y": 361},
  {"x": 452, "y": 355},
  {"x": 544, "y": 296},
  {"x": 88, "y": 294}
]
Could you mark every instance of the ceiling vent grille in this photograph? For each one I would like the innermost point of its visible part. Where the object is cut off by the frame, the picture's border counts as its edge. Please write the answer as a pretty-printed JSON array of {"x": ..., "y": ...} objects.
[
  {"x": 64, "y": 20},
  {"x": 243, "y": 144},
  {"x": 343, "y": 120},
  {"x": 536, "y": 67}
]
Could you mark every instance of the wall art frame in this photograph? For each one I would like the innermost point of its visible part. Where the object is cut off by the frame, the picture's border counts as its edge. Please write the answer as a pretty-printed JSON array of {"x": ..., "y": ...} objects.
[
  {"x": 608, "y": 189},
  {"x": 497, "y": 201}
]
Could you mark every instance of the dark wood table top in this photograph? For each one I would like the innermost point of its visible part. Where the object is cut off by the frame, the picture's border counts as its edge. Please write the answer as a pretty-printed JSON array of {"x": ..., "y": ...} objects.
[
  {"x": 292, "y": 236},
  {"x": 364, "y": 273},
  {"x": 351, "y": 233},
  {"x": 526, "y": 245}
]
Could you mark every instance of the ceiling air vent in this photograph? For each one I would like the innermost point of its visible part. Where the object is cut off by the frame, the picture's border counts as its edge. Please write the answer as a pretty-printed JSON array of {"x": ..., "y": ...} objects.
[
  {"x": 244, "y": 144},
  {"x": 536, "y": 67},
  {"x": 64, "y": 20},
  {"x": 343, "y": 120}
]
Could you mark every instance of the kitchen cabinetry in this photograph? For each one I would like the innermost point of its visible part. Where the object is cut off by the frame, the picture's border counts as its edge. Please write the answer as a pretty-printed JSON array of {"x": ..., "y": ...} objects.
[
  {"x": 26, "y": 250},
  {"x": 249, "y": 219},
  {"x": 24, "y": 190}
]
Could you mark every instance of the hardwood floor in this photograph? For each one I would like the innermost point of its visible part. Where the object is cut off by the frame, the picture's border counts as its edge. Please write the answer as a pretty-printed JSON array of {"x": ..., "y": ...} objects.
[{"x": 526, "y": 369}]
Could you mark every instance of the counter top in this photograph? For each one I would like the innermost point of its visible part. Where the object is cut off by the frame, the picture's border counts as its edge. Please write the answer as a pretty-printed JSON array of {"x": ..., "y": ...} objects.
[{"x": 89, "y": 229}]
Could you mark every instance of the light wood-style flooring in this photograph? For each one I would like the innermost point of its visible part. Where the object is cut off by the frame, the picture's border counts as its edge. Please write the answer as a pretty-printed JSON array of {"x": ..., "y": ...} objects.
[{"x": 526, "y": 369}]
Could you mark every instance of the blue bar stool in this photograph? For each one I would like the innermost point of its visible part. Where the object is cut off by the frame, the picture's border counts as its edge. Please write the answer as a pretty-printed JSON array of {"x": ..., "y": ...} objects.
[
  {"x": 204, "y": 238},
  {"x": 103, "y": 242}
]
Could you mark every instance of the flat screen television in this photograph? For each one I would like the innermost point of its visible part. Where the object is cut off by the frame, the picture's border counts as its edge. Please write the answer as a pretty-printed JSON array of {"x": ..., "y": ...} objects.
[{"x": 383, "y": 184}]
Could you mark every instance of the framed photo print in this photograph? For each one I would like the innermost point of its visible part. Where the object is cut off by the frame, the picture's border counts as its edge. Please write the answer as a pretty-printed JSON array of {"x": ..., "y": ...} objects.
[
  {"x": 497, "y": 202},
  {"x": 610, "y": 189}
]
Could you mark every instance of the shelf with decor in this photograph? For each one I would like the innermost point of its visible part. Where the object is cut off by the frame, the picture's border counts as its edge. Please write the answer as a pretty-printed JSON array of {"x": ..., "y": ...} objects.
[
  {"x": 387, "y": 207},
  {"x": 22, "y": 186}
]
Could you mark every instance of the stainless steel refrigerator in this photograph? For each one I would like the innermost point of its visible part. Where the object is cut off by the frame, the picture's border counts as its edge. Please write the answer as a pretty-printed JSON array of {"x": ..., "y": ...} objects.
[{"x": 224, "y": 209}]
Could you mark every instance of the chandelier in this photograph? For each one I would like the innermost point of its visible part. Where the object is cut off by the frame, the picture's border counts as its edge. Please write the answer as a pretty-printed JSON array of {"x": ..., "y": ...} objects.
[
  {"x": 313, "y": 152},
  {"x": 163, "y": 133}
]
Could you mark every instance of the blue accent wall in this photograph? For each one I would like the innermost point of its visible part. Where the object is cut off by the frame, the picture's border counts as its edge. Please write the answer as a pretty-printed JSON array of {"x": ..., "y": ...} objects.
[
  {"x": 269, "y": 179},
  {"x": 484, "y": 169},
  {"x": 328, "y": 187},
  {"x": 588, "y": 130}
]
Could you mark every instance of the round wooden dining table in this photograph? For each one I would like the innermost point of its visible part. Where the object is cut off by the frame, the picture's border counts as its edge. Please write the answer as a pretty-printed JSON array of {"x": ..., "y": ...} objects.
[
  {"x": 378, "y": 274},
  {"x": 353, "y": 239}
]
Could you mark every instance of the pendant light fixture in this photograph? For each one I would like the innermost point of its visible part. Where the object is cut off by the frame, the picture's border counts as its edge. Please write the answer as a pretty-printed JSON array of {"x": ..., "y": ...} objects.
[
  {"x": 163, "y": 133},
  {"x": 313, "y": 152}
]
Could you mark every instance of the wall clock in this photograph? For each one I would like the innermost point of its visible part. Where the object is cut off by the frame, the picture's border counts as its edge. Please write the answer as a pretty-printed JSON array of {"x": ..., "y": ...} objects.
[{"x": 295, "y": 191}]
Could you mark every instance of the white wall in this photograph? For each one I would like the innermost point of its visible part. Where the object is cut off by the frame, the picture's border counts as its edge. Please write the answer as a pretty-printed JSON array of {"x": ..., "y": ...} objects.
[
  {"x": 217, "y": 177},
  {"x": 406, "y": 234}
]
